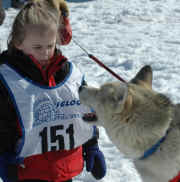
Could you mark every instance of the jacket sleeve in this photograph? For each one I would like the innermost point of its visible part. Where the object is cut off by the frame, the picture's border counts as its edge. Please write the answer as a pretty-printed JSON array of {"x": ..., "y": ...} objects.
[
  {"x": 8, "y": 122},
  {"x": 2, "y": 13}
]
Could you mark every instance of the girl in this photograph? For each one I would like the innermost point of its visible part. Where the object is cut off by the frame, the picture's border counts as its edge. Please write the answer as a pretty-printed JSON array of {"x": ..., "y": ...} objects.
[{"x": 42, "y": 135}]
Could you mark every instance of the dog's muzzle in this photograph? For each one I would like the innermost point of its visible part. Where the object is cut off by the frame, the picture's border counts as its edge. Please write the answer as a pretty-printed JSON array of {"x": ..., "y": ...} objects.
[{"x": 88, "y": 117}]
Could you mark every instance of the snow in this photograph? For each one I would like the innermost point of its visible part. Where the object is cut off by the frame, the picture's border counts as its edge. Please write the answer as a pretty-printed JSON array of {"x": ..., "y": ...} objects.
[{"x": 125, "y": 35}]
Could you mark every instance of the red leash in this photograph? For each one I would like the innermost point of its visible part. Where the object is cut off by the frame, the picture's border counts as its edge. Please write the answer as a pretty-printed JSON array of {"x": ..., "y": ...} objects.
[{"x": 100, "y": 63}]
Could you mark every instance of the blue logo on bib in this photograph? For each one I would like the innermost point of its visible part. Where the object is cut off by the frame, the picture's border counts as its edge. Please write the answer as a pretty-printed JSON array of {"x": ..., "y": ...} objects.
[{"x": 46, "y": 111}]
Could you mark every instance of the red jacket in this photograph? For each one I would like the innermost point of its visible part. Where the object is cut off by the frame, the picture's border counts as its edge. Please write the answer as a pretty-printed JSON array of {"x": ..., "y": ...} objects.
[
  {"x": 176, "y": 179},
  {"x": 54, "y": 166}
]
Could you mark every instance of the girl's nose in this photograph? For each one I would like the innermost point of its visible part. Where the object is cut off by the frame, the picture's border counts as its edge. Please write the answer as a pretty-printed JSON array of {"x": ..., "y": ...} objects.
[{"x": 45, "y": 53}]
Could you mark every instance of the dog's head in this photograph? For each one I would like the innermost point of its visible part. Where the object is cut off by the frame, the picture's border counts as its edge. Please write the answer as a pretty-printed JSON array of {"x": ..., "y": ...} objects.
[
  {"x": 119, "y": 100},
  {"x": 109, "y": 97}
]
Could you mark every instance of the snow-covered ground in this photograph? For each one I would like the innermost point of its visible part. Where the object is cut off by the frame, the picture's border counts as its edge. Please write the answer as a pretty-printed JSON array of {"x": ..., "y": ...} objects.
[{"x": 125, "y": 35}]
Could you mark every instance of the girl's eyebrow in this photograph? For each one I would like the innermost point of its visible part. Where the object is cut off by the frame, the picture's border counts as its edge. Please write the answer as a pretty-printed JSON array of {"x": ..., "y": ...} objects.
[{"x": 36, "y": 45}]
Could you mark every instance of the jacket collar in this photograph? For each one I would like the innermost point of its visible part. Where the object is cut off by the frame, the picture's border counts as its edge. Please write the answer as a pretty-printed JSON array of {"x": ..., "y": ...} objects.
[{"x": 29, "y": 67}]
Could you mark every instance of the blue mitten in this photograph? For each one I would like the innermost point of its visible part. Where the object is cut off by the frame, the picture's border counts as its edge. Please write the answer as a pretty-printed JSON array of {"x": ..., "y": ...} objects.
[{"x": 95, "y": 161}]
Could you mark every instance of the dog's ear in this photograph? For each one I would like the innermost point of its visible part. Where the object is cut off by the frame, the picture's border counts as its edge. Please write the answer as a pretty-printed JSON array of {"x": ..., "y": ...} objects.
[{"x": 144, "y": 77}]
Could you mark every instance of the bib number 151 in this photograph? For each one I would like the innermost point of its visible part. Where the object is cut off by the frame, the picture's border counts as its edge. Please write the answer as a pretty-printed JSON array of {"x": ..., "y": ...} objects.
[{"x": 55, "y": 138}]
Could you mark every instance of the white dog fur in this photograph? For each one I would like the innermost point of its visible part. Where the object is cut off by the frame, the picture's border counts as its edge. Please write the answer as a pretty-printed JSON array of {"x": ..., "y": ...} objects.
[{"x": 136, "y": 118}]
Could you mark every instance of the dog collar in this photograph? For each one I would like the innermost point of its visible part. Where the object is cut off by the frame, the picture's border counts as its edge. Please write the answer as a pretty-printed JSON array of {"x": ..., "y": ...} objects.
[{"x": 154, "y": 148}]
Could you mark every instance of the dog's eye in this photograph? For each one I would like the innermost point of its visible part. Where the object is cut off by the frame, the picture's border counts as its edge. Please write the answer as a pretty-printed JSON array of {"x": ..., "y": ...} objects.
[
  {"x": 117, "y": 98},
  {"x": 120, "y": 98}
]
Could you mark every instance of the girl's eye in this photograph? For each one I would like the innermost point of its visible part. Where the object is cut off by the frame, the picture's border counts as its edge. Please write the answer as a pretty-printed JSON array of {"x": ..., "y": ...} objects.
[
  {"x": 50, "y": 46},
  {"x": 37, "y": 48}
]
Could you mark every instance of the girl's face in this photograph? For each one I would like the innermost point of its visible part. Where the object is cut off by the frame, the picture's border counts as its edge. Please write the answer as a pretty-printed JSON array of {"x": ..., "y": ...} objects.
[{"x": 39, "y": 43}]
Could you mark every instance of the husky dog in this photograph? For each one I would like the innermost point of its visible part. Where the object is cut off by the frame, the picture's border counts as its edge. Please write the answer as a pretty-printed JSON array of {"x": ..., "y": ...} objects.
[{"x": 142, "y": 123}]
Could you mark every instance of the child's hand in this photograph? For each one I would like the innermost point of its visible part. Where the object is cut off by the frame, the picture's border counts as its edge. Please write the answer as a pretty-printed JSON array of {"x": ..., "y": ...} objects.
[
  {"x": 65, "y": 31},
  {"x": 95, "y": 161}
]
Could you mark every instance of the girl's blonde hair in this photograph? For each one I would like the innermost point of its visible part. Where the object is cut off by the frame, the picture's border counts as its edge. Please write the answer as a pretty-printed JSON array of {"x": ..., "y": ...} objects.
[{"x": 36, "y": 12}]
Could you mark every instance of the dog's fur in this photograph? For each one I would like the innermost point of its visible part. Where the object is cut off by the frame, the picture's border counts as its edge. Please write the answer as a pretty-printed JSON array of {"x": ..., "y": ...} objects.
[{"x": 135, "y": 118}]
